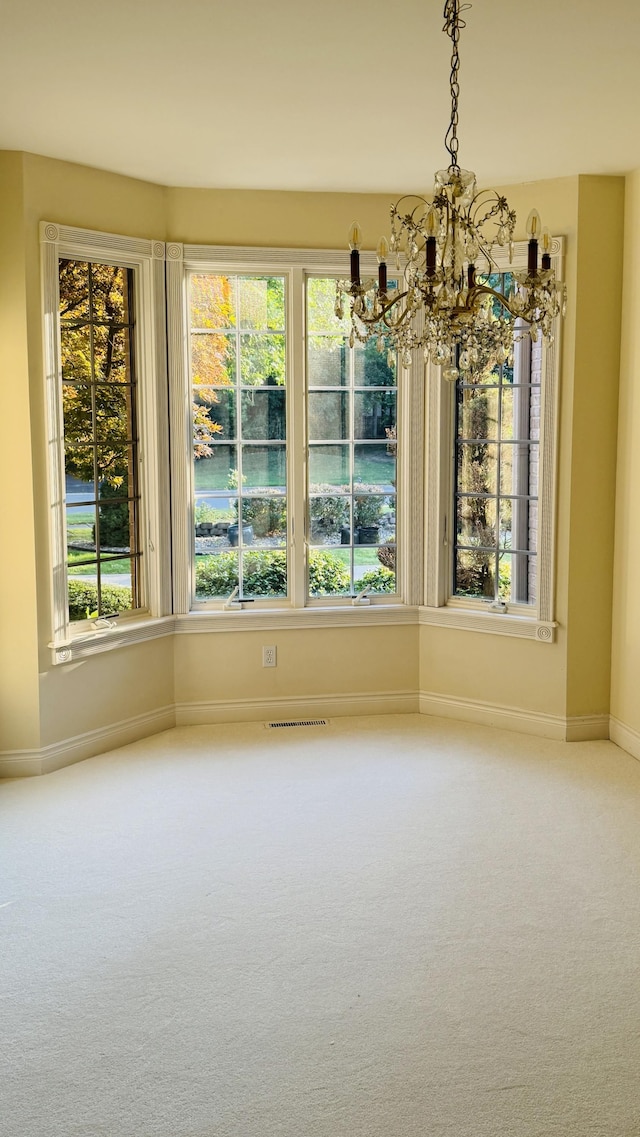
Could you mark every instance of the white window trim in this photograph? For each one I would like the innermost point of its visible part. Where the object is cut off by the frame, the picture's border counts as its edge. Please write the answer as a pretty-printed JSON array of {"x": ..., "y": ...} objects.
[
  {"x": 147, "y": 259},
  {"x": 294, "y": 264},
  {"x": 439, "y": 608}
]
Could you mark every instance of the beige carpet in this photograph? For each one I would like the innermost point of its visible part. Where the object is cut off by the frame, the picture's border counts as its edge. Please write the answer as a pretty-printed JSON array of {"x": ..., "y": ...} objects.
[{"x": 392, "y": 927}]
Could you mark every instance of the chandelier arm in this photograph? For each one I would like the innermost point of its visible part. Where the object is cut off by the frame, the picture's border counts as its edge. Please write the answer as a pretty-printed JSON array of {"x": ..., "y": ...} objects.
[
  {"x": 485, "y": 290},
  {"x": 369, "y": 319}
]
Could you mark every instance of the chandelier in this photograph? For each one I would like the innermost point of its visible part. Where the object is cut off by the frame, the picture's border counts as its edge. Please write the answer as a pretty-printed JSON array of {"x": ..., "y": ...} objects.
[{"x": 444, "y": 304}]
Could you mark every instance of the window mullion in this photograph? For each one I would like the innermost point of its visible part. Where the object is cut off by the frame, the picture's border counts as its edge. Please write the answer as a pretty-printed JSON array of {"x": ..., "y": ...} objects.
[{"x": 296, "y": 449}]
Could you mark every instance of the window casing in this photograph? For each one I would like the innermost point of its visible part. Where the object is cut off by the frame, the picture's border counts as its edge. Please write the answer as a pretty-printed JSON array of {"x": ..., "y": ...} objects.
[
  {"x": 490, "y": 529},
  {"x": 336, "y": 510},
  {"x": 91, "y": 402}
]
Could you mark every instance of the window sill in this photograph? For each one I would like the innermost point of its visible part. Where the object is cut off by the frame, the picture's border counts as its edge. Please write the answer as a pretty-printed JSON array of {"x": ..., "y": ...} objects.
[
  {"x": 496, "y": 623},
  {"x": 281, "y": 619},
  {"x": 91, "y": 642},
  {"x": 85, "y": 644}
]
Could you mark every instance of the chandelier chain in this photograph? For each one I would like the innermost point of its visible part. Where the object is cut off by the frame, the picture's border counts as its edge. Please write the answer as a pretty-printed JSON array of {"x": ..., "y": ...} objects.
[
  {"x": 452, "y": 26},
  {"x": 442, "y": 301}
]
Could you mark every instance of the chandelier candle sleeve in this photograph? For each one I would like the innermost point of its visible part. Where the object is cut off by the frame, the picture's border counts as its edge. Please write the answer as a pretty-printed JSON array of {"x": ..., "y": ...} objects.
[
  {"x": 444, "y": 305},
  {"x": 533, "y": 228},
  {"x": 383, "y": 252},
  {"x": 354, "y": 244},
  {"x": 546, "y": 250}
]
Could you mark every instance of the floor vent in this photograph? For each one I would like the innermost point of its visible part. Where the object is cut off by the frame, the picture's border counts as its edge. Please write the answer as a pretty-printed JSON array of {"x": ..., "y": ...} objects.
[{"x": 301, "y": 722}]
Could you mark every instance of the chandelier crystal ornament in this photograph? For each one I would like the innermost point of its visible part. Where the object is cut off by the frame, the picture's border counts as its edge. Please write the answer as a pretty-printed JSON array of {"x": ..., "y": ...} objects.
[{"x": 444, "y": 304}]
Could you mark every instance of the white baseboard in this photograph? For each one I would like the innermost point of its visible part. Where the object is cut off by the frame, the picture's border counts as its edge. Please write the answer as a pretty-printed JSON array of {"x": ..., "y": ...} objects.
[
  {"x": 25, "y": 763},
  {"x": 514, "y": 718},
  {"x": 299, "y": 706},
  {"x": 587, "y": 728},
  {"x": 625, "y": 737}
]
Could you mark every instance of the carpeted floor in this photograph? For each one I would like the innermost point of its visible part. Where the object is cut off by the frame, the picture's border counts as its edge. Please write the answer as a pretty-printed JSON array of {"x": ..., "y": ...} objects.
[{"x": 389, "y": 927}]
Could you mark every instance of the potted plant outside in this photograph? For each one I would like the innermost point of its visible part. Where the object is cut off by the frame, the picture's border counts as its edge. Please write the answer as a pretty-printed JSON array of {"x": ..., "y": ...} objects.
[{"x": 367, "y": 511}]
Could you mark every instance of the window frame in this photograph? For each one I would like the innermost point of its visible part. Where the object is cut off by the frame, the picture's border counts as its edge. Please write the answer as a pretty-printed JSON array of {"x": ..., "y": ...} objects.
[
  {"x": 441, "y": 607},
  {"x": 71, "y": 640},
  {"x": 295, "y": 265}
]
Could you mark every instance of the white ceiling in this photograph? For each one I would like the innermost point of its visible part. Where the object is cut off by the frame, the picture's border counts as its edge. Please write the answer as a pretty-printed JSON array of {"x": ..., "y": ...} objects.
[{"x": 332, "y": 95}]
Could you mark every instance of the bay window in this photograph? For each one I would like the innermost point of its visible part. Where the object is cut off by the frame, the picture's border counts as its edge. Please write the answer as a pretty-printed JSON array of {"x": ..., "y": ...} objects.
[{"x": 217, "y": 446}]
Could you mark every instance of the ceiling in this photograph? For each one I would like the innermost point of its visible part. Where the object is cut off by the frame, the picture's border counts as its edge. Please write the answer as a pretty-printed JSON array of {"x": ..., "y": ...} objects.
[{"x": 345, "y": 95}]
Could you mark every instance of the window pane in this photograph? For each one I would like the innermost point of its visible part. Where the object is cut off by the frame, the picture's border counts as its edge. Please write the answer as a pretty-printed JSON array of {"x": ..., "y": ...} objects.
[
  {"x": 262, "y": 303},
  {"x": 264, "y": 467},
  {"x": 212, "y": 301},
  {"x": 264, "y": 574},
  {"x": 115, "y": 521},
  {"x": 518, "y": 468},
  {"x": 374, "y": 414},
  {"x": 329, "y": 519},
  {"x": 214, "y": 416},
  {"x": 213, "y": 515},
  {"x": 218, "y": 472},
  {"x": 115, "y": 467},
  {"x": 327, "y": 361},
  {"x": 374, "y": 368},
  {"x": 476, "y": 523},
  {"x": 216, "y": 575},
  {"x": 477, "y": 468},
  {"x": 374, "y": 467},
  {"x": 328, "y": 415},
  {"x": 111, "y": 355},
  {"x": 81, "y": 522},
  {"x": 329, "y": 465},
  {"x": 113, "y": 414},
  {"x": 75, "y": 350},
  {"x": 329, "y": 573},
  {"x": 262, "y": 360},
  {"x": 213, "y": 359},
  {"x": 267, "y": 516},
  {"x": 321, "y": 299},
  {"x": 74, "y": 290},
  {"x": 263, "y": 414},
  {"x": 478, "y": 412},
  {"x": 77, "y": 410},
  {"x": 109, "y": 294},
  {"x": 475, "y": 574}
]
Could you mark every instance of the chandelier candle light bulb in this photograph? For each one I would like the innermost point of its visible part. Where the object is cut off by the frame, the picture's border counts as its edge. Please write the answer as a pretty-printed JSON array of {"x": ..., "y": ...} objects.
[{"x": 448, "y": 240}]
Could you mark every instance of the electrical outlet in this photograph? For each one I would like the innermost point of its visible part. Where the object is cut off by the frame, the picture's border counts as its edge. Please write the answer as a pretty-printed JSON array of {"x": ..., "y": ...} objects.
[{"x": 269, "y": 657}]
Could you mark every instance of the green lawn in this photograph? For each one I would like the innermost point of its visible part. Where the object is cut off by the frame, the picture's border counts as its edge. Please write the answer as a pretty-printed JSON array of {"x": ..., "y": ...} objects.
[
  {"x": 213, "y": 473},
  {"x": 122, "y": 565}
]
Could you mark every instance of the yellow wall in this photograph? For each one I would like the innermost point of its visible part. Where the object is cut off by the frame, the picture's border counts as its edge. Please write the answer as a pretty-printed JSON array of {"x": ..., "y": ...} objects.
[
  {"x": 227, "y": 666},
  {"x": 266, "y": 218},
  {"x": 559, "y": 679},
  {"x": 594, "y": 410},
  {"x": 19, "y": 709},
  {"x": 625, "y": 678}
]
